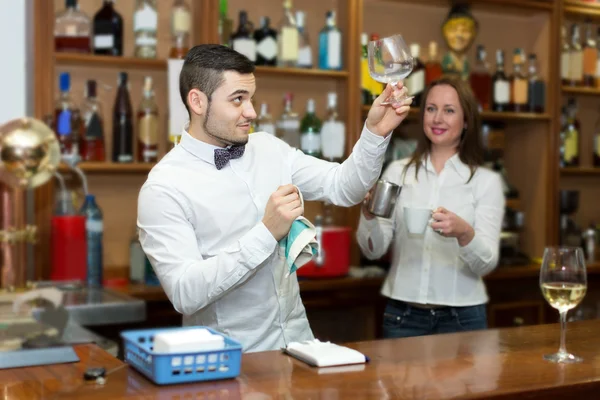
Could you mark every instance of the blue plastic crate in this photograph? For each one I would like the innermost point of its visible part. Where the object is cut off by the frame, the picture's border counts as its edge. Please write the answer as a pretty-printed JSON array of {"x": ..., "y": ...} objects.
[{"x": 164, "y": 369}]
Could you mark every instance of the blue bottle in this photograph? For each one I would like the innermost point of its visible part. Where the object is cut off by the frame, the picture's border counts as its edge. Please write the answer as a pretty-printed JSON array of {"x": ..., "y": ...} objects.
[
  {"x": 94, "y": 227},
  {"x": 330, "y": 44}
]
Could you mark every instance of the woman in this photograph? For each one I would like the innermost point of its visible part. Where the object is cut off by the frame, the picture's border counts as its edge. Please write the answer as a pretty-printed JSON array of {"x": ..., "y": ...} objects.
[{"x": 435, "y": 282}]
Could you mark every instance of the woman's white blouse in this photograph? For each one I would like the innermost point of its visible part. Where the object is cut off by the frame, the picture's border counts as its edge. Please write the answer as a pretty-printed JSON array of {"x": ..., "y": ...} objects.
[{"x": 430, "y": 268}]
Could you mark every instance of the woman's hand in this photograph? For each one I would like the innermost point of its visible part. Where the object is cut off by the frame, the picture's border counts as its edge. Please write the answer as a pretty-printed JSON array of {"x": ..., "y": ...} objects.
[
  {"x": 365, "y": 204},
  {"x": 448, "y": 224}
]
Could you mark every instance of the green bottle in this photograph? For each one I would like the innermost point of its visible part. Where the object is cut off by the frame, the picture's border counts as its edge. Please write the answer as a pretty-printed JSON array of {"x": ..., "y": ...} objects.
[{"x": 310, "y": 131}]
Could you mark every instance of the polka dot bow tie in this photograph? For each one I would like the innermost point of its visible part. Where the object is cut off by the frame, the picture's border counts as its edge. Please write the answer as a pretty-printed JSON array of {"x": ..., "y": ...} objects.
[{"x": 222, "y": 156}]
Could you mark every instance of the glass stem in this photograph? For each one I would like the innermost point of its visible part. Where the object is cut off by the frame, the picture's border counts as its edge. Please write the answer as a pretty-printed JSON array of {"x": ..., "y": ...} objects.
[{"x": 563, "y": 333}]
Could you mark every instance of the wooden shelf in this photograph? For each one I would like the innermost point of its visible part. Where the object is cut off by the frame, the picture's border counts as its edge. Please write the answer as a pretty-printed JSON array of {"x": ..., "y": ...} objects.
[
  {"x": 91, "y": 60},
  {"x": 487, "y": 115},
  {"x": 574, "y": 7},
  {"x": 580, "y": 171},
  {"x": 112, "y": 168},
  {"x": 581, "y": 90},
  {"x": 542, "y": 5}
]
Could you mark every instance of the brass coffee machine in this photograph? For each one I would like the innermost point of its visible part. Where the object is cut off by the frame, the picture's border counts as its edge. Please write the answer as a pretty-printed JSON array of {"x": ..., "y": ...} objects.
[{"x": 29, "y": 157}]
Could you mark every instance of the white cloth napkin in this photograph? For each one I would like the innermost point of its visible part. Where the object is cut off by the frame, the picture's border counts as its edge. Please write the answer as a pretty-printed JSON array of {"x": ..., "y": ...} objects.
[{"x": 324, "y": 354}]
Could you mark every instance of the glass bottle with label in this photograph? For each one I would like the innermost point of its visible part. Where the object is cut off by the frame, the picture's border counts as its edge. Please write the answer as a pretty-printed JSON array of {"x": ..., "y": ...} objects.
[
  {"x": 147, "y": 125},
  {"x": 536, "y": 87},
  {"x": 569, "y": 149},
  {"x": 481, "y": 80},
  {"x": 108, "y": 30},
  {"x": 266, "y": 43},
  {"x": 518, "y": 83},
  {"x": 92, "y": 141},
  {"x": 333, "y": 132},
  {"x": 330, "y": 44},
  {"x": 66, "y": 117},
  {"x": 288, "y": 125},
  {"x": 145, "y": 22},
  {"x": 310, "y": 131},
  {"x": 287, "y": 55},
  {"x": 305, "y": 58},
  {"x": 94, "y": 228},
  {"x": 180, "y": 29},
  {"x": 264, "y": 122},
  {"x": 242, "y": 40},
  {"x": 565, "y": 55},
  {"x": 415, "y": 82},
  {"x": 500, "y": 85},
  {"x": 365, "y": 76},
  {"x": 433, "y": 68},
  {"x": 225, "y": 25},
  {"x": 72, "y": 30},
  {"x": 590, "y": 56},
  {"x": 575, "y": 58},
  {"x": 122, "y": 123}
]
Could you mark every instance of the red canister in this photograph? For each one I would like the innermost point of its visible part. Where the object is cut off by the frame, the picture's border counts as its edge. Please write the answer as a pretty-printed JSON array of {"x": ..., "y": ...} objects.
[
  {"x": 69, "y": 248},
  {"x": 335, "y": 256}
]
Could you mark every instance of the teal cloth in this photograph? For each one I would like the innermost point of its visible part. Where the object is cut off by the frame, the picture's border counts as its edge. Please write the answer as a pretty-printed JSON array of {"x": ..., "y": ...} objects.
[{"x": 298, "y": 226}]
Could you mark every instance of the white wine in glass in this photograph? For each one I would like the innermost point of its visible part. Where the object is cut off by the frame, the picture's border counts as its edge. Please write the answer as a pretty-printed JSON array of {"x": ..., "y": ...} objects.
[
  {"x": 563, "y": 281},
  {"x": 390, "y": 61}
]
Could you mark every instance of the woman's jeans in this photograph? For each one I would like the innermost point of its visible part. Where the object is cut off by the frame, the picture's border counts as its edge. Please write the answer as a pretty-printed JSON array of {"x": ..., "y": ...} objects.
[{"x": 403, "y": 320}]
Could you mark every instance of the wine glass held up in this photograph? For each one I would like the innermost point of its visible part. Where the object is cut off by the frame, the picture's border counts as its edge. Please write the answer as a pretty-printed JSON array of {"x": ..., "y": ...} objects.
[
  {"x": 390, "y": 61},
  {"x": 563, "y": 281}
]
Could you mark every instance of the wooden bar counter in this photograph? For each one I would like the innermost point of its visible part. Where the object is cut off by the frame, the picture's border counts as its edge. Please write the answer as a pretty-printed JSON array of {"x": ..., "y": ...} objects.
[{"x": 492, "y": 364}]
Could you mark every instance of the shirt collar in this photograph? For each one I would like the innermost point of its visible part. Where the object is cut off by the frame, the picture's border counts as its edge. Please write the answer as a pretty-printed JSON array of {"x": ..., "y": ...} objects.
[
  {"x": 462, "y": 169},
  {"x": 198, "y": 148}
]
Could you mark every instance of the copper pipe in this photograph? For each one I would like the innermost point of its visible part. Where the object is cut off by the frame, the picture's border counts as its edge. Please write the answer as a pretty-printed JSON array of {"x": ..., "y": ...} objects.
[{"x": 14, "y": 252}]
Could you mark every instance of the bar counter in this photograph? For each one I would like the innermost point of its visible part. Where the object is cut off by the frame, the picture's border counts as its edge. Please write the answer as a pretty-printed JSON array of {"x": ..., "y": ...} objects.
[{"x": 492, "y": 364}]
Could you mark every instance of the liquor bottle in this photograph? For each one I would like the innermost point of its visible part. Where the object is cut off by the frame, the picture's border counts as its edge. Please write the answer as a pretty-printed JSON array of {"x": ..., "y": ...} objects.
[
  {"x": 590, "y": 56},
  {"x": 415, "y": 81},
  {"x": 108, "y": 30},
  {"x": 330, "y": 44},
  {"x": 288, "y": 125},
  {"x": 266, "y": 43},
  {"x": 376, "y": 87},
  {"x": 264, "y": 122},
  {"x": 518, "y": 83},
  {"x": 92, "y": 141},
  {"x": 66, "y": 117},
  {"x": 565, "y": 57},
  {"x": 225, "y": 25},
  {"x": 310, "y": 131},
  {"x": 242, "y": 40},
  {"x": 305, "y": 58},
  {"x": 147, "y": 125},
  {"x": 575, "y": 58},
  {"x": 569, "y": 149},
  {"x": 122, "y": 124},
  {"x": 94, "y": 228},
  {"x": 180, "y": 29},
  {"x": 500, "y": 85},
  {"x": 287, "y": 55},
  {"x": 433, "y": 68},
  {"x": 536, "y": 87},
  {"x": 597, "y": 82},
  {"x": 333, "y": 132},
  {"x": 145, "y": 22},
  {"x": 481, "y": 80},
  {"x": 596, "y": 155},
  {"x": 72, "y": 29}
]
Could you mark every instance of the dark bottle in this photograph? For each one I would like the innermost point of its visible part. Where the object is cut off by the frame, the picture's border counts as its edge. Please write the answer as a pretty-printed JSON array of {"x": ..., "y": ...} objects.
[
  {"x": 92, "y": 141},
  {"x": 481, "y": 80},
  {"x": 266, "y": 43},
  {"x": 536, "y": 87},
  {"x": 500, "y": 85},
  {"x": 242, "y": 40},
  {"x": 108, "y": 30},
  {"x": 122, "y": 124}
]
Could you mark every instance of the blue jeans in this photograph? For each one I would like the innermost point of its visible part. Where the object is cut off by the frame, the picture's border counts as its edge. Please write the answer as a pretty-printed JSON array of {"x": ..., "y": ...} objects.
[{"x": 402, "y": 320}]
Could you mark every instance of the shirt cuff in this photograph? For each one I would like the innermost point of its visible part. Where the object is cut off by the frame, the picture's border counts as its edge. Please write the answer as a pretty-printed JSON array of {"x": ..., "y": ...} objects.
[
  {"x": 260, "y": 238},
  {"x": 473, "y": 250},
  {"x": 377, "y": 140}
]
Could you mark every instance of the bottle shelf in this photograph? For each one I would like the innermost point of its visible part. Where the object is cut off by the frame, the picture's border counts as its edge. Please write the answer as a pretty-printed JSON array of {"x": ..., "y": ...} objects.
[
  {"x": 587, "y": 91},
  {"x": 574, "y": 7},
  {"x": 107, "y": 167},
  {"x": 580, "y": 171},
  {"x": 486, "y": 115},
  {"x": 542, "y": 5},
  {"x": 91, "y": 60}
]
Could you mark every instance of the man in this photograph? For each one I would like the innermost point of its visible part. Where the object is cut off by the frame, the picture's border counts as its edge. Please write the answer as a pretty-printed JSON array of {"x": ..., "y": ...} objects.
[{"x": 213, "y": 209}]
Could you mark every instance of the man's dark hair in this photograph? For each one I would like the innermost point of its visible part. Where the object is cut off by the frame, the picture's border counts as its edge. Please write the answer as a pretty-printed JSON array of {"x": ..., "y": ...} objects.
[{"x": 204, "y": 66}]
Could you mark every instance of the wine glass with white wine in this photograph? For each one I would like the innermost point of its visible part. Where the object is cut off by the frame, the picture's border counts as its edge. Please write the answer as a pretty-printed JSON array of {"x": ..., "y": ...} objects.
[
  {"x": 390, "y": 61},
  {"x": 563, "y": 280}
]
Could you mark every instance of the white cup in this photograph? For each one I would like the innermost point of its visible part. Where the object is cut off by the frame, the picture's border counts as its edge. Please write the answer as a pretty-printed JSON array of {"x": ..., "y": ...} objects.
[{"x": 417, "y": 219}]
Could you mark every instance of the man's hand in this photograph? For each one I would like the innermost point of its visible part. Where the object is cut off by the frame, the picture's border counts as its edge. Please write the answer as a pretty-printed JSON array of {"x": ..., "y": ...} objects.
[
  {"x": 282, "y": 209},
  {"x": 383, "y": 119}
]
